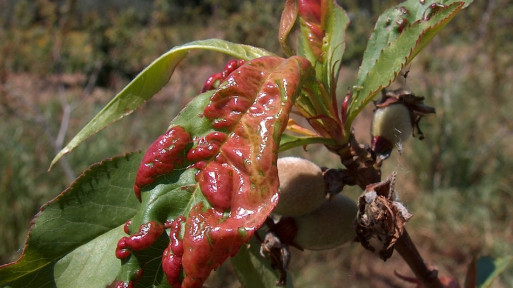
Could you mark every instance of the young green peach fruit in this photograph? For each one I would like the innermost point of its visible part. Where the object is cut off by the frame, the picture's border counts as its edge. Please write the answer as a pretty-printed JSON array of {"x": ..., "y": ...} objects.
[
  {"x": 327, "y": 227},
  {"x": 302, "y": 187},
  {"x": 391, "y": 126}
]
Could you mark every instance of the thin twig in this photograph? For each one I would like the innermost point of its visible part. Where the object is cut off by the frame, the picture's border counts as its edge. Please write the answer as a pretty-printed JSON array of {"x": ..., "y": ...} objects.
[{"x": 426, "y": 276}]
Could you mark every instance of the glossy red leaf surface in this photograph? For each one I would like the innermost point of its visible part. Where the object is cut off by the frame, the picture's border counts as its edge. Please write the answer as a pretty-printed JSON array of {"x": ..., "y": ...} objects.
[
  {"x": 229, "y": 146},
  {"x": 161, "y": 157},
  {"x": 237, "y": 166},
  {"x": 310, "y": 12}
]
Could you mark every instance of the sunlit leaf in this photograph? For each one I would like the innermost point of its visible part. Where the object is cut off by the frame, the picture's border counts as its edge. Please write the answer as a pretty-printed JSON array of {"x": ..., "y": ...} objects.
[
  {"x": 336, "y": 22},
  {"x": 82, "y": 219},
  {"x": 150, "y": 81},
  {"x": 248, "y": 160},
  {"x": 399, "y": 35},
  {"x": 290, "y": 141},
  {"x": 92, "y": 264}
]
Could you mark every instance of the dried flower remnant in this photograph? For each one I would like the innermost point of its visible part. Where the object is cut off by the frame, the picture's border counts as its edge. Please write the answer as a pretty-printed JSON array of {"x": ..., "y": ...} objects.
[
  {"x": 381, "y": 217},
  {"x": 361, "y": 164},
  {"x": 277, "y": 242},
  {"x": 279, "y": 254},
  {"x": 325, "y": 228}
]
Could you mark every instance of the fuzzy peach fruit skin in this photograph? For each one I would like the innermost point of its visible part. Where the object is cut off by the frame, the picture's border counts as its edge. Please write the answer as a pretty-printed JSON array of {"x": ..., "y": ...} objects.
[
  {"x": 302, "y": 188},
  {"x": 329, "y": 226},
  {"x": 393, "y": 123}
]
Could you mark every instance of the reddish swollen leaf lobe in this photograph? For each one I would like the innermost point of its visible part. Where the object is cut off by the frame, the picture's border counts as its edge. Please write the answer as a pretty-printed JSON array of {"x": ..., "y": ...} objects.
[
  {"x": 310, "y": 10},
  {"x": 215, "y": 181},
  {"x": 146, "y": 236},
  {"x": 236, "y": 165},
  {"x": 216, "y": 79},
  {"x": 239, "y": 177},
  {"x": 121, "y": 284},
  {"x": 208, "y": 242},
  {"x": 161, "y": 157},
  {"x": 206, "y": 147},
  {"x": 172, "y": 257},
  {"x": 143, "y": 239},
  {"x": 126, "y": 227},
  {"x": 212, "y": 82}
]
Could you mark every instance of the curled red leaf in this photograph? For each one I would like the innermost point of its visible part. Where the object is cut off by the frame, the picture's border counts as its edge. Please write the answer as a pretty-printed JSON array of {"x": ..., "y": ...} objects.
[
  {"x": 144, "y": 238},
  {"x": 172, "y": 257},
  {"x": 126, "y": 227},
  {"x": 206, "y": 147},
  {"x": 216, "y": 184},
  {"x": 216, "y": 79},
  {"x": 310, "y": 12},
  {"x": 122, "y": 249},
  {"x": 161, "y": 157},
  {"x": 237, "y": 168}
]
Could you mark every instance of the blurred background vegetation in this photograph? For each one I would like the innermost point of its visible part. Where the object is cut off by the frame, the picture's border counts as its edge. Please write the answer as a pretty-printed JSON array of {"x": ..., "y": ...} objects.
[{"x": 62, "y": 61}]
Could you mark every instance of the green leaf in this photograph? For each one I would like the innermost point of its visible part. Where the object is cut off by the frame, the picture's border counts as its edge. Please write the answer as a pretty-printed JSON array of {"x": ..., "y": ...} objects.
[
  {"x": 92, "y": 264},
  {"x": 172, "y": 196},
  {"x": 83, "y": 218},
  {"x": 150, "y": 81},
  {"x": 488, "y": 269},
  {"x": 399, "y": 35},
  {"x": 253, "y": 270},
  {"x": 291, "y": 141},
  {"x": 333, "y": 47}
]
